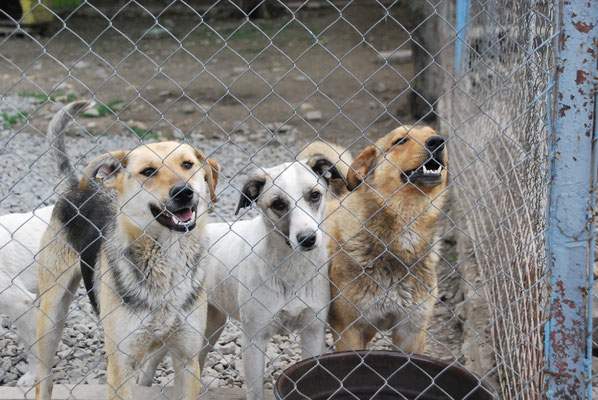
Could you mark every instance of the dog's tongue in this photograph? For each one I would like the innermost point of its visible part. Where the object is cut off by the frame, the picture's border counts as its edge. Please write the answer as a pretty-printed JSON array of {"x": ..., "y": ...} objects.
[{"x": 184, "y": 215}]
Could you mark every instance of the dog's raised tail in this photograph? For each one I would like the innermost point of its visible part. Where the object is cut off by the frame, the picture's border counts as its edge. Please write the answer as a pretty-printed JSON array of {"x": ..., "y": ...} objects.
[{"x": 55, "y": 137}]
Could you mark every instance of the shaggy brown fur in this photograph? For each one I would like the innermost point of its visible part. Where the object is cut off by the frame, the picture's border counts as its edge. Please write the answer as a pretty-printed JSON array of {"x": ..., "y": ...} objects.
[{"x": 382, "y": 245}]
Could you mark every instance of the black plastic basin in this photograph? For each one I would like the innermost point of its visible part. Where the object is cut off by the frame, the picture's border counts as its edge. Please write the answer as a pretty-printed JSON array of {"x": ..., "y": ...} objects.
[{"x": 378, "y": 375}]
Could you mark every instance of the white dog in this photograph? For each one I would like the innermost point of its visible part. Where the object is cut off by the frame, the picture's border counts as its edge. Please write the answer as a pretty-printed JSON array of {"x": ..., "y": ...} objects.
[
  {"x": 20, "y": 236},
  {"x": 271, "y": 272}
]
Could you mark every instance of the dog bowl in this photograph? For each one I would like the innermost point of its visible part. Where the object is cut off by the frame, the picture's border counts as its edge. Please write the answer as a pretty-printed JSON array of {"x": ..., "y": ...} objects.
[{"x": 378, "y": 375}]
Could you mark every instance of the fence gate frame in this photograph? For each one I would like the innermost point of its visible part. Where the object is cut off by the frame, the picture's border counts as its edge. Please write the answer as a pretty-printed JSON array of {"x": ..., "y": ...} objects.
[{"x": 570, "y": 232}]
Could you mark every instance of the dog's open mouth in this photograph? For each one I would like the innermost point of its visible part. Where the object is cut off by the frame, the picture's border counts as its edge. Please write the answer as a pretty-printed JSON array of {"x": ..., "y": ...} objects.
[
  {"x": 427, "y": 174},
  {"x": 180, "y": 220}
]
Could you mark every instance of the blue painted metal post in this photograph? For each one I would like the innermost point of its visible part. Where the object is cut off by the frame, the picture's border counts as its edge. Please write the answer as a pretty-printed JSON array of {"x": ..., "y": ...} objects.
[
  {"x": 461, "y": 23},
  {"x": 569, "y": 231}
]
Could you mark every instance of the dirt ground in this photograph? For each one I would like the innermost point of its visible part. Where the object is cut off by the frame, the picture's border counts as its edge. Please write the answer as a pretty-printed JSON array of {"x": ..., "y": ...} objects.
[
  {"x": 189, "y": 75},
  {"x": 224, "y": 80}
]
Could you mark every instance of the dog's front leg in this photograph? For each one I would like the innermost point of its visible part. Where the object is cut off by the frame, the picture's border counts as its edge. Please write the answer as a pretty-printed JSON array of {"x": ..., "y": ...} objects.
[
  {"x": 313, "y": 337},
  {"x": 149, "y": 366},
  {"x": 184, "y": 348},
  {"x": 119, "y": 374},
  {"x": 187, "y": 380},
  {"x": 254, "y": 348}
]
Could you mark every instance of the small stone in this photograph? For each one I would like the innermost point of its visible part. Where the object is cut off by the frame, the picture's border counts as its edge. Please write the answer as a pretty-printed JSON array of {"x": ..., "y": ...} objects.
[
  {"x": 228, "y": 348},
  {"x": 178, "y": 134},
  {"x": 156, "y": 32},
  {"x": 81, "y": 64},
  {"x": 398, "y": 56},
  {"x": 22, "y": 367},
  {"x": 305, "y": 107},
  {"x": 313, "y": 115},
  {"x": 188, "y": 108},
  {"x": 101, "y": 73},
  {"x": 240, "y": 128},
  {"x": 379, "y": 87},
  {"x": 137, "y": 125},
  {"x": 278, "y": 127},
  {"x": 92, "y": 112},
  {"x": 65, "y": 86},
  {"x": 240, "y": 70},
  {"x": 300, "y": 78},
  {"x": 10, "y": 376}
]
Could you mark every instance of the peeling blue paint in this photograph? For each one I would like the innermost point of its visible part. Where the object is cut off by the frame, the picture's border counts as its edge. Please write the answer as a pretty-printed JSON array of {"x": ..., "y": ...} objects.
[{"x": 570, "y": 234}]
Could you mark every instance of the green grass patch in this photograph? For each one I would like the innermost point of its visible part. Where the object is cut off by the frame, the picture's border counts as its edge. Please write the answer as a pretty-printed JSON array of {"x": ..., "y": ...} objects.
[
  {"x": 102, "y": 110},
  {"x": 248, "y": 32},
  {"x": 11, "y": 119},
  {"x": 57, "y": 95},
  {"x": 144, "y": 134}
]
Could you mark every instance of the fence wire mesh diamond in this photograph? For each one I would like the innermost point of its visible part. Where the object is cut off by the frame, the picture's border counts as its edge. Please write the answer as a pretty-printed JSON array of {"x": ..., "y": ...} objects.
[{"x": 198, "y": 195}]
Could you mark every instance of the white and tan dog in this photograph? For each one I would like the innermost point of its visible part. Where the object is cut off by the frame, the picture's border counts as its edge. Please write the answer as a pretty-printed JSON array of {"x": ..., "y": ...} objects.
[
  {"x": 20, "y": 236},
  {"x": 136, "y": 220}
]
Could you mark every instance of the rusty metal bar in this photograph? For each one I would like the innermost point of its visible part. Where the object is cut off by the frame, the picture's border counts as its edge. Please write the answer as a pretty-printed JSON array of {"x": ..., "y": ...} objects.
[{"x": 570, "y": 242}]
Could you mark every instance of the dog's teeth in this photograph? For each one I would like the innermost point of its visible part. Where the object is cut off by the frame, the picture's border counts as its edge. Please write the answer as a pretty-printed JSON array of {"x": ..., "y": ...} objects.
[{"x": 177, "y": 221}]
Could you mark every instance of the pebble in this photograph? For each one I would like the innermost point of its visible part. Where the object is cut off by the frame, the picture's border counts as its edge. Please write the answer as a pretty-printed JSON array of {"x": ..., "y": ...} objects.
[
  {"x": 278, "y": 127},
  {"x": 379, "y": 87},
  {"x": 305, "y": 107},
  {"x": 313, "y": 116},
  {"x": 157, "y": 32},
  {"x": 188, "y": 108},
  {"x": 399, "y": 56},
  {"x": 81, "y": 64}
]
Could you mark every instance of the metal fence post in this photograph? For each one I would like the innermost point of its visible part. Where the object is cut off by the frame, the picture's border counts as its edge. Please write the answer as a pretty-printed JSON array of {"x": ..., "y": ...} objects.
[
  {"x": 569, "y": 232},
  {"x": 461, "y": 24}
]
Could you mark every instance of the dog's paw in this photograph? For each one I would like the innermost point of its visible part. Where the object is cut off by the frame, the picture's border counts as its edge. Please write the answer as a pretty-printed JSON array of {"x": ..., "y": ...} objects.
[{"x": 27, "y": 380}]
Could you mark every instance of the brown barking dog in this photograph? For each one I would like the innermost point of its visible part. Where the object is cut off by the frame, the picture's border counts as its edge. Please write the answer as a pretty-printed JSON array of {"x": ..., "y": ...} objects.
[
  {"x": 135, "y": 223},
  {"x": 383, "y": 260}
]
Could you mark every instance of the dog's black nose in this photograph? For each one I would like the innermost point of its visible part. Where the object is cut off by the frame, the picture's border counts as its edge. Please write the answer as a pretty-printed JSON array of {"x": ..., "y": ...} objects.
[
  {"x": 307, "y": 240},
  {"x": 435, "y": 143},
  {"x": 181, "y": 193}
]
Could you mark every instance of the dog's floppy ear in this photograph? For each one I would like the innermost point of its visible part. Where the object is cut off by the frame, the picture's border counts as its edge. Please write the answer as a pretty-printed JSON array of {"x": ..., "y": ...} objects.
[
  {"x": 212, "y": 172},
  {"x": 251, "y": 191},
  {"x": 361, "y": 167},
  {"x": 105, "y": 168},
  {"x": 323, "y": 167}
]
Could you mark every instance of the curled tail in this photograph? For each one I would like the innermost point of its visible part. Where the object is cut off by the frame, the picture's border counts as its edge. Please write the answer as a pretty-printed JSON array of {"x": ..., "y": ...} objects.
[{"x": 55, "y": 137}]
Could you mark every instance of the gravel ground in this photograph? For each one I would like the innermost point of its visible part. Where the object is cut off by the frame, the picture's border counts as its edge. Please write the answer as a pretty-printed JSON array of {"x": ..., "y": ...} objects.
[{"x": 27, "y": 183}]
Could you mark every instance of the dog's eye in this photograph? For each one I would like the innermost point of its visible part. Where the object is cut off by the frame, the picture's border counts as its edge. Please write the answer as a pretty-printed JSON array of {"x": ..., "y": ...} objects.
[
  {"x": 187, "y": 164},
  {"x": 279, "y": 205},
  {"x": 315, "y": 196},
  {"x": 149, "y": 171},
  {"x": 400, "y": 141}
]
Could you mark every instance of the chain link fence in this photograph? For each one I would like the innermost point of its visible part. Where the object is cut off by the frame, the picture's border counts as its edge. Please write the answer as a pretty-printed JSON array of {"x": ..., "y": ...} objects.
[{"x": 332, "y": 229}]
